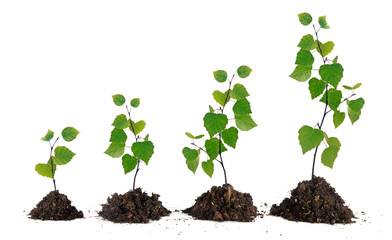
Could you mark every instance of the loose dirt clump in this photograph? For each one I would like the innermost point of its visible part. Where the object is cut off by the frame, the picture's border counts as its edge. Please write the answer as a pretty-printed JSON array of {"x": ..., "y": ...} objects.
[
  {"x": 133, "y": 207},
  {"x": 55, "y": 206},
  {"x": 315, "y": 202},
  {"x": 223, "y": 204}
]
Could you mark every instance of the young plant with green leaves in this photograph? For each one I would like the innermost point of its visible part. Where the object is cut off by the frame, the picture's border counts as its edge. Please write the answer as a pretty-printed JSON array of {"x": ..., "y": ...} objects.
[
  {"x": 216, "y": 122},
  {"x": 142, "y": 149},
  {"x": 326, "y": 85},
  {"x": 62, "y": 155}
]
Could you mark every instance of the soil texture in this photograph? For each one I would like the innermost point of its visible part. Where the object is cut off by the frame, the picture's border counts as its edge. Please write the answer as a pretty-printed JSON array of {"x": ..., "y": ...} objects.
[
  {"x": 223, "y": 204},
  {"x": 55, "y": 206},
  {"x": 133, "y": 207},
  {"x": 315, "y": 202}
]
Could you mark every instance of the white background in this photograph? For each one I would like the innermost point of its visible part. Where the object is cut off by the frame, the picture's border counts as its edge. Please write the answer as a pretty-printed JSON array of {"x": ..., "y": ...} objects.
[{"x": 61, "y": 61}]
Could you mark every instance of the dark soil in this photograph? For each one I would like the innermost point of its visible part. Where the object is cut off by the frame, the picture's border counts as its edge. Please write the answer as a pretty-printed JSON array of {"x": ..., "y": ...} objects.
[
  {"x": 133, "y": 207},
  {"x": 314, "y": 203},
  {"x": 55, "y": 206},
  {"x": 223, "y": 204}
]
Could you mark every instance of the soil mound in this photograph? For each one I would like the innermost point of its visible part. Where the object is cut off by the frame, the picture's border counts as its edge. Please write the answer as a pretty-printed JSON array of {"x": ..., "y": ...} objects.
[
  {"x": 315, "y": 202},
  {"x": 223, "y": 204},
  {"x": 55, "y": 206},
  {"x": 133, "y": 207}
]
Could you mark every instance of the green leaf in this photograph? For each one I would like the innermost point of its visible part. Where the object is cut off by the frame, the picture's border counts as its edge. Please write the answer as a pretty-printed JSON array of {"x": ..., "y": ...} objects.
[
  {"x": 327, "y": 48},
  {"x": 44, "y": 169},
  {"x": 69, "y": 133},
  {"x": 121, "y": 122},
  {"x": 230, "y": 136},
  {"x": 147, "y": 137},
  {"x": 118, "y": 136},
  {"x": 135, "y": 102},
  {"x": 347, "y": 87},
  {"x": 353, "y": 115},
  {"x": 215, "y": 123},
  {"x": 244, "y": 71},
  {"x": 239, "y": 92},
  {"x": 334, "y": 98},
  {"x": 220, "y": 75},
  {"x": 323, "y": 22},
  {"x": 309, "y": 138},
  {"x": 316, "y": 87},
  {"x": 137, "y": 127},
  {"x": 357, "y": 104},
  {"x": 307, "y": 43},
  {"x": 305, "y": 18},
  {"x": 211, "y": 109},
  {"x": 304, "y": 58},
  {"x": 329, "y": 155},
  {"x": 208, "y": 167},
  {"x": 331, "y": 73},
  {"x": 338, "y": 118},
  {"x": 244, "y": 122},
  {"x": 62, "y": 155},
  {"x": 357, "y": 86},
  {"x": 193, "y": 137},
  {"x": 301, "y": 73},
  {"x": 143, "y": 150},
  {"x": 189, "y": 135},
  {"x": 242, "y": 107},
  {"x": 333, "y": 141},
  {"x": 115, "y": 150},
  {"x": 192, "y": 158},
  {"x": 212, "y": 147},
  {"x": 335, "y": 60},
  {"x": 118, "y": 99},
  {"x": 219, "y": 97},
  {"x": 129, "y": 163},
  {"x": 49, "y": 135}
]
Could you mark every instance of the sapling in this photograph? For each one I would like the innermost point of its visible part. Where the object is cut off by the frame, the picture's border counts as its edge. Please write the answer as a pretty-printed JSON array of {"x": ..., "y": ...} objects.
[
  {"x": 326, "y": 84},
  {"x": 62, "y": 155},
  {"x": 216, "y": 122},
  {"x": 142, "y": 149}
]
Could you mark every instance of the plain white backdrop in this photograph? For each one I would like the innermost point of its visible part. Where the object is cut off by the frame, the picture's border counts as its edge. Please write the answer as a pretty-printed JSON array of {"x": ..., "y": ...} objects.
[{"x": 61, "y": 61}]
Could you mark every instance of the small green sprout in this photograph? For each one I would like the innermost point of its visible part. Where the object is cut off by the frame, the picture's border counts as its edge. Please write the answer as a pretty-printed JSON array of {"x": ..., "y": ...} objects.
[
  {"x": 216, "y": 123},
  {"x": 62, "y": 155},
  {"x": 142, "y": 148},
  {"x": 326, "y": 84}
]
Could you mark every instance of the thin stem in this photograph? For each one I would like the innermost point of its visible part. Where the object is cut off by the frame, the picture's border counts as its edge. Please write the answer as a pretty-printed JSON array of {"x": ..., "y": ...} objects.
[
  {"x": 136, "y": 139},
  {"x": 326, "y": 100},
  {"x": 134, "y": 178},
  {"x": 220, "y": 156},
  {"x": 51, "y": 162}
]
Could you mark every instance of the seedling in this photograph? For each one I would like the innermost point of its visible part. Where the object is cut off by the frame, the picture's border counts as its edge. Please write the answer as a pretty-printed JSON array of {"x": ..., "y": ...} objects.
[
  {"x": 62, "y": 155},
  {"x": 142, "y": 148},
  {"x": 326, "y": 84},
  {"x": 216, "y": 124}
]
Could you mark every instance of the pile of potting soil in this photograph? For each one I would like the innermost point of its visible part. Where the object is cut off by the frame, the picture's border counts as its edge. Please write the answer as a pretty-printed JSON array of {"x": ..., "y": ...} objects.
[
  {"x": 223, "y": 204},
  {"x": 55, "y": 206},
  {"x": 133, "y": 207},
  {"x": 315, "y": 202}
]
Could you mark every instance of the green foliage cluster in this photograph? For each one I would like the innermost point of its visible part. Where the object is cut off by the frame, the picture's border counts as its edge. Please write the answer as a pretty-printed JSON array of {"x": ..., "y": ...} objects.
[
  {"x": 216, "y": 123},
  {"x": 326, "y": 85},
  {"x": 142, "y": 148},
  {"x": 62, "y": 155}
]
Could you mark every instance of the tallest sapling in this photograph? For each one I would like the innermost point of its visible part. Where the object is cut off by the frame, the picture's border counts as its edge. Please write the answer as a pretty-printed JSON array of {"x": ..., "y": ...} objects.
[{"x": 316, "y": 201}]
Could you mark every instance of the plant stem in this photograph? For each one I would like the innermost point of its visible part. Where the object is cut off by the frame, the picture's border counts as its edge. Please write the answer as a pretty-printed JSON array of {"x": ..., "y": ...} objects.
[
  {"x": 134, "y": 178},
  {"x": 136, "y": 139},
  {"x": 51, "y": 162},
  {"x": 326, "y": 101}
]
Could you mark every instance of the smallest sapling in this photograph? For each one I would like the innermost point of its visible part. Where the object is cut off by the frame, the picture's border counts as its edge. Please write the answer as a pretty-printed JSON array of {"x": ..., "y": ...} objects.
[
  {"x": 142, "y": 148},
  {"x": 62, "y": 155}
]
